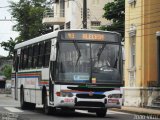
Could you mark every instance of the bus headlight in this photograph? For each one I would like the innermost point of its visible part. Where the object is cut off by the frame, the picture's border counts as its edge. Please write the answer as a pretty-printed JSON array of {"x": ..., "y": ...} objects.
[{"x": 115, "y": 96}]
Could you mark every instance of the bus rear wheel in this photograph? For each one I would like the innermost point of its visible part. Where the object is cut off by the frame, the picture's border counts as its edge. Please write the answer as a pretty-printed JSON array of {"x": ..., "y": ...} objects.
[
  {"x": 101, "y": 112},
  {"x": 25, "y": 105}
]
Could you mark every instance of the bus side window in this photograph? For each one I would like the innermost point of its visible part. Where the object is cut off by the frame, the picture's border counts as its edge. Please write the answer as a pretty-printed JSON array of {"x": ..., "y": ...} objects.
[
  {"x": 30, "y": 55},
  {"x": 35, "y": 55},
  {"x": 21, "y": 59},
  {"x": 14, "y": 60},
  {"x": 25, "y": 58},
  {"x": 47, "y": 53},
  {"x": 40, "y": 54}
]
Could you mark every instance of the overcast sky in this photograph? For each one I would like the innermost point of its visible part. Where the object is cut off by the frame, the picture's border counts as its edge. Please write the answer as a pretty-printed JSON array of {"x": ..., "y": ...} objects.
[{"x": 6, "y": 26}]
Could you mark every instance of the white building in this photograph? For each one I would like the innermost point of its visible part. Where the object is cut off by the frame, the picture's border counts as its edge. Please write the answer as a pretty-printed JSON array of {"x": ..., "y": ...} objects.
[{"x": 68, "y": 14}]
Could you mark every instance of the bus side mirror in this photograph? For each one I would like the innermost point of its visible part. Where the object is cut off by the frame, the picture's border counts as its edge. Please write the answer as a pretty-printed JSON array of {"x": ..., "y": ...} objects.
[{"x": 53, "y": 51}]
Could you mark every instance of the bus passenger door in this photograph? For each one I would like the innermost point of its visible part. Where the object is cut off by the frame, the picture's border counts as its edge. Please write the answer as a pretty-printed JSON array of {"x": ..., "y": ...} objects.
[
  {"x": 51, "y": 80},
  {"x": 52, "y": 67}
]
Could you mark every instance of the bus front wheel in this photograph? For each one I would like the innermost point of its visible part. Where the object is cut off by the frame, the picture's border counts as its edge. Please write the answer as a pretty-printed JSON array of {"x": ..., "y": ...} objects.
[{"x": 101, "y": 113}]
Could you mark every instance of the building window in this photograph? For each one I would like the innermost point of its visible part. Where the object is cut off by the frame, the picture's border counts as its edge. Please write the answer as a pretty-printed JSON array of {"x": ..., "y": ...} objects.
[
  {"x": 61, "y": 27},
  {"x": 95, "y": 23},
  {"x": 62, "y": 8},
  {"x": 68, "y": 25}
]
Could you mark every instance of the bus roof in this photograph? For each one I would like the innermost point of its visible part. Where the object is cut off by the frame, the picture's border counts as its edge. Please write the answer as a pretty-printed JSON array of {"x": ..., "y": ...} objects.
[
  {"x": 36, "y": 39},
  {"x": 52, "y": 35}
]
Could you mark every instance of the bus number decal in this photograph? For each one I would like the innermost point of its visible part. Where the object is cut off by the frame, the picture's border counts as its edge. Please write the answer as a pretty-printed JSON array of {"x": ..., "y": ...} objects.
[{"x": 68, "y": 100}]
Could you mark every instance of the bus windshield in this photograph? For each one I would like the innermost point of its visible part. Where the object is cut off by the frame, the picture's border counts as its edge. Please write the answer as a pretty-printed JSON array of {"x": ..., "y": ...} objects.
[{"x": 80, "y": 62}]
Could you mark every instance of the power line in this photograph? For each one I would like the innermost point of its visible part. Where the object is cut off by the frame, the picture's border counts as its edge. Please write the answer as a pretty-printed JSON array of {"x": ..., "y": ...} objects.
[
  {"x": 152, "y": 22},
  {"x": 7, "y": 20},
  {"x": 143, "y": 35},
  {"x": 4, "y": 7},
  {"x": 146, "y": 5},
  {"x": 143, "y": 15}
]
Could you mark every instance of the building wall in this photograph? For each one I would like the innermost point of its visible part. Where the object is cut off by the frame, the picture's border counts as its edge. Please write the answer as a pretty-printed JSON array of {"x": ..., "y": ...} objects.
[
  {"x": 142, "y": 21},
  {"x": 74, "y": 12},
  {"x": 131, "y": 18},
  {"x": 145, "y": 17}
]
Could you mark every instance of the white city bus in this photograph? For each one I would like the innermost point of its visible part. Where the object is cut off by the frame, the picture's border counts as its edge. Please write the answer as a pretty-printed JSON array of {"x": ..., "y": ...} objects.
[{"x": 69, "y": 69}]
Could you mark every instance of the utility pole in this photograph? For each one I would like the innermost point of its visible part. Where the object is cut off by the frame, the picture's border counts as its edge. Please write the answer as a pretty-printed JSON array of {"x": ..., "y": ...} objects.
[{"x": 84, "y": 14}]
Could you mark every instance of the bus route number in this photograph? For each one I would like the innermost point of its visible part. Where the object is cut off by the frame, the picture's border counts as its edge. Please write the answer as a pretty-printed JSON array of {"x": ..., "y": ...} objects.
[{"x": 71, "y": 35}]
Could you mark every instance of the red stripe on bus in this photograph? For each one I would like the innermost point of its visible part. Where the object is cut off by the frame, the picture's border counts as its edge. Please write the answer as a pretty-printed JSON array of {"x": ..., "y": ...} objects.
[
  {"x": 74, "y": 91},
  {"x": 28, "y": 74},
  {"x": 43, "y": 82}
]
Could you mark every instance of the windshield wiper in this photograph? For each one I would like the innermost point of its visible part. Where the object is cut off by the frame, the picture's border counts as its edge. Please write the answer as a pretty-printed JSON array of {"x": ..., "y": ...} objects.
[
  {"x": 78, "y": 51},
  {"x": 100, "y": 51}
]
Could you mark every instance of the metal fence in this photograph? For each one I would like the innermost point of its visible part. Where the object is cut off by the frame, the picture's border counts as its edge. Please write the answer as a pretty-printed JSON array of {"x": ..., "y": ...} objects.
[{"x": 51, "y": 13}]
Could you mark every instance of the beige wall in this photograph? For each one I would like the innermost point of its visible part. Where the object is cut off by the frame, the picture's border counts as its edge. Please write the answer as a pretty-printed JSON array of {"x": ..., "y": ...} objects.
[{"x": 145, "y": 15}]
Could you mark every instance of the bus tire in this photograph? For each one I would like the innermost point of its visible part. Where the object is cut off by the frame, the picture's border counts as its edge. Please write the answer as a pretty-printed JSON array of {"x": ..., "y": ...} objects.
[
  {"x": 101, "y": 112},
  {"x": 47, "y": 109},
  {"x": 72, "y": 110},
  {"x": 23, "y": 104},
  {"x": 68, "y": 109}
]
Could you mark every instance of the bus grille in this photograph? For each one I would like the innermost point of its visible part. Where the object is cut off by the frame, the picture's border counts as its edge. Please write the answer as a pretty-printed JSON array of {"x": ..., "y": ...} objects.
[
  {"x": 90, "y": 104},
  {"x": 87, "y": 96}
]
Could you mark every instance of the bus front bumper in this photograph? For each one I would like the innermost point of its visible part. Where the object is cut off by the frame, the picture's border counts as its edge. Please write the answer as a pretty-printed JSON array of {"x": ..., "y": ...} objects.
[{"x": 79, "y": 103}]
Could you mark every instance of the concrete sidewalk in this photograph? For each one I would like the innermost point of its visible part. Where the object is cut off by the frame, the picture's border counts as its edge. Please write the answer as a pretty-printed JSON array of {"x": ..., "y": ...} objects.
[
  {"x": 138, "y": 110},
  {"x": 7, "y": 100}
]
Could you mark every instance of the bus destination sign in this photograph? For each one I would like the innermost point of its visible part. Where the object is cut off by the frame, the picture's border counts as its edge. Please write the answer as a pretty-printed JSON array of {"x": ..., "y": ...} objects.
[
  {"x": 91, "y": 36},
  {"x": 85, "y": 36}
]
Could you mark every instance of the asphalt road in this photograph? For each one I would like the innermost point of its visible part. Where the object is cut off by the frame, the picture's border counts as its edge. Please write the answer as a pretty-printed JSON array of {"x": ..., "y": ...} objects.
[
  {"x": 18, "y": 114},
  {"x": 9, "y": 110}
]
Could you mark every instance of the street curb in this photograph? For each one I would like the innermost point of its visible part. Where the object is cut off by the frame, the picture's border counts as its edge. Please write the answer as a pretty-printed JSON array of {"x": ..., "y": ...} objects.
[{"x": 133, "y": 111}]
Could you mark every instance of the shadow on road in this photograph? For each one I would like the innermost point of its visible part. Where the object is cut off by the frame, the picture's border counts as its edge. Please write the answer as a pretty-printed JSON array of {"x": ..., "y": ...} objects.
[{"x": 68, "y": 114}]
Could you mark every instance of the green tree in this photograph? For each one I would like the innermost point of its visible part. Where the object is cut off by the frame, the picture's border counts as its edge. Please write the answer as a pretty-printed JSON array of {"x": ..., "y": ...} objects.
[
  {"x": 9, "y": 46},
  {"x": 7, "y": 70},
  {"x": 28, "y": 14},
  {"x": 115, "y": 12}
]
